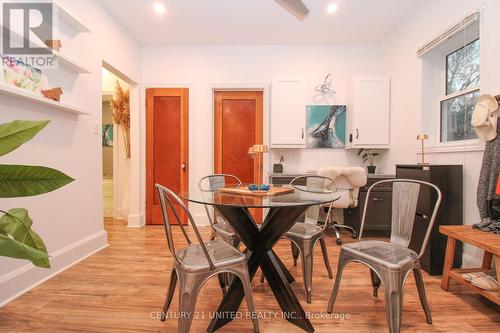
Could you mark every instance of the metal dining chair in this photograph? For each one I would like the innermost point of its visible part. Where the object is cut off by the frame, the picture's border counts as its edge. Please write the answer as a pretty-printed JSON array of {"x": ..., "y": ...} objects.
[
  {"x": 391, "y": 262},
  {"x": 220, "y": 227},
  {"x": 195, "y": 264},
  {"x": 304, "y": 235}
]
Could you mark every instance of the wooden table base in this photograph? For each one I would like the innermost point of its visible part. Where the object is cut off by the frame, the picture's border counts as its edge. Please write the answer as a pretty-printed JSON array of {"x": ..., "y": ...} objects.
[{"x": 259, "y": 243}]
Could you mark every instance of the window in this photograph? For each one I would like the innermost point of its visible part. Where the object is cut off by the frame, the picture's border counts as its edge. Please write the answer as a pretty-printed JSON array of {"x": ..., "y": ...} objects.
[
  {"x": 462, "y": 90},
  {"x": 450, "y": 83}
]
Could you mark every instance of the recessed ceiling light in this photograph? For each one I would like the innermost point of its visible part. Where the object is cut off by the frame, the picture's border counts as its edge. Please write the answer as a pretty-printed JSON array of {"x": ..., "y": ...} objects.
[
  {"x": 331, "y": 8},
  {"x": 159, "y": 7}
]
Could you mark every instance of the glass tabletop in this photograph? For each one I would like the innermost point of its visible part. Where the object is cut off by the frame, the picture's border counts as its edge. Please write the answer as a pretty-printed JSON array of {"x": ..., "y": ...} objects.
[{"x": 299, "y": 197}]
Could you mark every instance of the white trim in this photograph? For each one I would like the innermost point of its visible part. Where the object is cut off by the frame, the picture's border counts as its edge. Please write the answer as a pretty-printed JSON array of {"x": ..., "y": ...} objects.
[
  {"x": 135, "y": 221},
  {"x": 456, "y": 147},
  {"x": 25, "y": 278},
  {"x": 459, "y": 93}
]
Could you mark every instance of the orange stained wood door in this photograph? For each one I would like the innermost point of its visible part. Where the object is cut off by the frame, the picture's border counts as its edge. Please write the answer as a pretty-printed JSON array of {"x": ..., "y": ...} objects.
[
  {"x": 167, "y": 135},
  {"x": 238, "y": 125}
]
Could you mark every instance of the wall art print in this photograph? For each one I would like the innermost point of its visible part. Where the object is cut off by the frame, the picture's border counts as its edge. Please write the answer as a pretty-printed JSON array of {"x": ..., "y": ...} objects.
[
  {"x": 21, "y": 75},
  {"x": 325, "y": 126},
  {"x": 107, "y": 135}
]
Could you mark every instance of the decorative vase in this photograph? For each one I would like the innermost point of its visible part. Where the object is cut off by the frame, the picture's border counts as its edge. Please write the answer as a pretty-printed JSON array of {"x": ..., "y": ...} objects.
[{"x": 371, "y": 168}]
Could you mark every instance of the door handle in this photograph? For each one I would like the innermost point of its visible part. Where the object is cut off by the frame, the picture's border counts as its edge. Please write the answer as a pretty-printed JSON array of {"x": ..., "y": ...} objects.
[
  {"x": 357, "y": 133},
  {"x": 183, "y": 166},
  {"x": 302, "y": 133}
]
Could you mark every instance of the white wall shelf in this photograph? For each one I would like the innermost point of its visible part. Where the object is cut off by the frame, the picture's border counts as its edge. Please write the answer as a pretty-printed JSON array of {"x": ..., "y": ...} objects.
[
  {"x": 71, "y": 19},
  {"x": 38, "y": 99},
  {"x": 63, "y": 60},
  {"x": 70, "y": 63}
]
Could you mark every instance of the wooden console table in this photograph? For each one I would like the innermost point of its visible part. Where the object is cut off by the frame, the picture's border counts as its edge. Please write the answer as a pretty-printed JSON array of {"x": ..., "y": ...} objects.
[{"x": 487, "y": 241}]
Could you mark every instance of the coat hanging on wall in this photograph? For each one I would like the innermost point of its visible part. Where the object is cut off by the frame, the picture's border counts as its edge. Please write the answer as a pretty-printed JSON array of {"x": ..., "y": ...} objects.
[{"x": 488, "y": 179}]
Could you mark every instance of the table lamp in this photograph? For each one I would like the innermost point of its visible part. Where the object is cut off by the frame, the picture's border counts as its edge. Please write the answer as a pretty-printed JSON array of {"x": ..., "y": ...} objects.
[
  {"x": 422, "y": 138},
  {"x": 259, "y": 150}
]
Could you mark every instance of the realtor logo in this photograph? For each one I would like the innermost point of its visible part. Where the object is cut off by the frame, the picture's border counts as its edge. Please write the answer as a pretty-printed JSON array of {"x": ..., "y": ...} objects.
[{"x": 26, "y": 29}]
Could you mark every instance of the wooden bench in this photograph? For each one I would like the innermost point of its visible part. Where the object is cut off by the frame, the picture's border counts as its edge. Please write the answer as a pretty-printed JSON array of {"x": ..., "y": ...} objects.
[{"x": 487, "y": 241}]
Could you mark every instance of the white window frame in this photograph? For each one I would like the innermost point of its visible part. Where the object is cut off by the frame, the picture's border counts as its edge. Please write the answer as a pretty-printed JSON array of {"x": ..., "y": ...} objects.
[
  {"x": 451, "y": 46},
  {"x": 434, "y": 91}
]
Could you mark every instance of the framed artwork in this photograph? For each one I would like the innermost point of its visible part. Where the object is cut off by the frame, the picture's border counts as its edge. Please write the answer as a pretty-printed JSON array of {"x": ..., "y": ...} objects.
[
  {"x": 325, "y": 126},
  {"x": 22, "y": 76},
  {"x": 107, "y": 135}
]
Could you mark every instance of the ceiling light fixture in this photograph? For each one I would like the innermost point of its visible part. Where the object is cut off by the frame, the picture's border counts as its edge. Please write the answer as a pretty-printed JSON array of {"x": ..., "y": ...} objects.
[
  {"x": 159, "y": 7},
  {"x": 331, "y": 8}
]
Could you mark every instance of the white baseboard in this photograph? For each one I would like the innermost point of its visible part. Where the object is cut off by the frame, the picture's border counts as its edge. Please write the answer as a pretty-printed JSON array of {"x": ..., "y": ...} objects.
[
  {"x": 135, "y": 221},
  {"x": 25, "y": 278}
]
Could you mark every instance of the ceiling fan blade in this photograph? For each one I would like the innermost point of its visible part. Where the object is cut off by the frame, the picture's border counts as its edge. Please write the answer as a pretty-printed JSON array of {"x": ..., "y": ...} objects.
[{"x": 294, "y": 7}]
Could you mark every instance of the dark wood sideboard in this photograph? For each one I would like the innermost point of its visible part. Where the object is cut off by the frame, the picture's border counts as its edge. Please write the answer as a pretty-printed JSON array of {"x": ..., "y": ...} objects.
[
  {"x": 449, "y": 179},
  {"x": 378, "y": 218},
  {"x": 378, "y": 222}
]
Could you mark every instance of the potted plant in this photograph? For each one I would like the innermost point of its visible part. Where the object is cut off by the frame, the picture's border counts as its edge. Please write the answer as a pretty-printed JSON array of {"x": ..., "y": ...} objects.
[
  {"x": 17, "y": 238},
  {"x": 368, "y": 155}
]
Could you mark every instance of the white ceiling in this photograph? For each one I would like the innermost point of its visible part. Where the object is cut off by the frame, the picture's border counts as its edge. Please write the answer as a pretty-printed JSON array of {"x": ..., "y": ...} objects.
[{"x": 258, "y": 22}]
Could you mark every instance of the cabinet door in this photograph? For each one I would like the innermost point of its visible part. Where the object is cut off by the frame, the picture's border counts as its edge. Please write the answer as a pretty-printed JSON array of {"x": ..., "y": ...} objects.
[
  {"x": 288, "y": 112},
  {"x": 369, "y": 125}
]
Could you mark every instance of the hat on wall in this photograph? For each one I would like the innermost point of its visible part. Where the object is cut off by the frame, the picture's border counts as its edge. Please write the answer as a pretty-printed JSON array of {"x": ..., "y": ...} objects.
[{"x": 485, "y": 117}]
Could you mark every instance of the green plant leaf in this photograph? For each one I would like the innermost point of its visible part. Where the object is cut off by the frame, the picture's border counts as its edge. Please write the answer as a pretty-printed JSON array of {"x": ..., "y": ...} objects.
[
  {"x": 9, "y": 247},
  {"x": 17, "y": 224},
  {"x": 25, "y": 180},
  {"x": 17, "y": 132}
]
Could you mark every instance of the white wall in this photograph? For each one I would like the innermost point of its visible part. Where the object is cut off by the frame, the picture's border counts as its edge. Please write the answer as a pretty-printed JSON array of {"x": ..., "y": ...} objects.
[
  {"x": 203, "y": 68},
  {"x": 399, "y": 60},
  {"x": 69, "y": 220}
]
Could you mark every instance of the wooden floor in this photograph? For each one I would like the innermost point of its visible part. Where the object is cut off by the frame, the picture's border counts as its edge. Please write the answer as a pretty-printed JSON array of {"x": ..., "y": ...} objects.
[{"x": 121, "y": 288}]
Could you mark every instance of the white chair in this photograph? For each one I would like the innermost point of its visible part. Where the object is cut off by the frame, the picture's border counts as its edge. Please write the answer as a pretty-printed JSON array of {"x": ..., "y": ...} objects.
[{"x": 348, "y": 180}]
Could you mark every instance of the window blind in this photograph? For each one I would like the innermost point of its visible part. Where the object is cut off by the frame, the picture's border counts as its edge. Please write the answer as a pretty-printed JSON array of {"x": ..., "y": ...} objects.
[{"x": 464, "y": 23}]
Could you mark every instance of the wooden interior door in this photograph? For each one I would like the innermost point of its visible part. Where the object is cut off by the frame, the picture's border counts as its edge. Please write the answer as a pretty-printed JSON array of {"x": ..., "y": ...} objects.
[
  {"x": 237, "y": 126},
  {"x": 167, "y": 147}
]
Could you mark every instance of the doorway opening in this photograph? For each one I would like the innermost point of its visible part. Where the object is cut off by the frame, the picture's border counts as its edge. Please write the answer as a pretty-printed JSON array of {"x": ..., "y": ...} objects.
[{"x": 115, "y": 160}]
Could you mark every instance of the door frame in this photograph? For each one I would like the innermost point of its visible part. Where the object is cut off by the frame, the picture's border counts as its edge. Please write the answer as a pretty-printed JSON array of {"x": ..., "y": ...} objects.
[
  {"x": 264, "y": 87},
  {"x": 259, "y": 130},
  {"x": 185, "y": 181}
]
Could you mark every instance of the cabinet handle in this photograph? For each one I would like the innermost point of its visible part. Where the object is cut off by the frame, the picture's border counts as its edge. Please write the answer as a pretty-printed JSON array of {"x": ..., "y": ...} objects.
[
  {"x": 357, "y": 133},
  {"x": 425, "y": 217},
  {"x": 302, "y": 133},
  {"x": 377, "y": 199}
]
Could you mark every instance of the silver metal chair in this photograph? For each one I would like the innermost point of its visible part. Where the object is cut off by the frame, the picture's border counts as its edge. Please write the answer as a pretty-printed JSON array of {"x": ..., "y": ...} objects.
[
  {"x": 304, "y": 235},
  {"x": 195, "y": 264},
  {"x": 220, "y": 227},
  {"x": 390, "y": 263}
]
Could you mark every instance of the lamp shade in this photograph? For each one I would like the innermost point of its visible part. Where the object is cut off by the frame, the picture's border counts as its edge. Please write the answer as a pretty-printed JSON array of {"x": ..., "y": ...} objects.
[
  {"x": 422, "y": 137},
  {"x": 259, "y": 149}
]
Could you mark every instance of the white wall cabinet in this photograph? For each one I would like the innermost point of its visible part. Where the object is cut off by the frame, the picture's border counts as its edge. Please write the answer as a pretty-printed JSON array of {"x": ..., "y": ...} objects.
[
  {"x": 287, "y": 123},
  {"x": 368, "y": 112}
]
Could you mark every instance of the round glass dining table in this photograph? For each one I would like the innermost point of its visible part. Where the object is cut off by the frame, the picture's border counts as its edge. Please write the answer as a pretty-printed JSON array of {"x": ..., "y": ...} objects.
[{"x": 284, "y": 211}]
